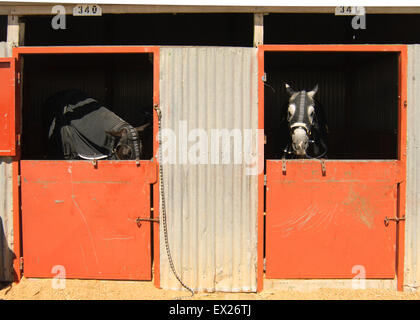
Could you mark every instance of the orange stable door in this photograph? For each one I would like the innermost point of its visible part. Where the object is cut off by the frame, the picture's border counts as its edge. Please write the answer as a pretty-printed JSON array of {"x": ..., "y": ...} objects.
[{"x": 81, "y": 219}]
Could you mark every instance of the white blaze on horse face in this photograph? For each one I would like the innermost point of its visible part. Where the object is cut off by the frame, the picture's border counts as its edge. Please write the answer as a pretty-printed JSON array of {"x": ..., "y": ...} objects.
[
  {"x": 291, "y": 111},
  {"x": 300, "y": 141}
]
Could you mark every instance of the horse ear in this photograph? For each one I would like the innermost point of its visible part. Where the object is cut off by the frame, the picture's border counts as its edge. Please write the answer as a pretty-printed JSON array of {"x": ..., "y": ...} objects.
[
  {"x": 289, "y": 89},
  {"x": 313, "y": 91},
  {"x": 141, "y": 128},
  {"x": 117, "y": 134}
]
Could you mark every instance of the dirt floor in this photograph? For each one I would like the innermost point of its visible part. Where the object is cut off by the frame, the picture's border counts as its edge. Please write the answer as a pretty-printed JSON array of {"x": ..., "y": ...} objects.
[{"x": 42, "y": 289}]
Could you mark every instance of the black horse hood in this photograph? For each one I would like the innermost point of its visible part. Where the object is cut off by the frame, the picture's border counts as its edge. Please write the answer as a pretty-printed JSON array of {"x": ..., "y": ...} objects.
[{"x": 300, "y": 100}]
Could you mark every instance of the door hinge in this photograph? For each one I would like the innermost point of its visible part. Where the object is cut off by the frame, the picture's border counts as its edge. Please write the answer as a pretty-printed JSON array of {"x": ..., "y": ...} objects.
[
  {"x": 19, "y": 180},
  {"x": 264, "y": 77},
  {"x": 265, "y": 179},
  {"x": 323, "y": 168},
  {"x": 18, "y": 77},
  {"x": 21, "y": 264}
]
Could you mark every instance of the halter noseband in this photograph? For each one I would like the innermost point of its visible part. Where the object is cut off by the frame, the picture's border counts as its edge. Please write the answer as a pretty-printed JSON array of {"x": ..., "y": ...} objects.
[{"x": 302, "y": 125}]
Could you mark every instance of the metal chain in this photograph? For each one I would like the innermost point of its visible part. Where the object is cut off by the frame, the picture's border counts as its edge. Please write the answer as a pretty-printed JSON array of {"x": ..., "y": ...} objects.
[{"x": 163, "y": 204}]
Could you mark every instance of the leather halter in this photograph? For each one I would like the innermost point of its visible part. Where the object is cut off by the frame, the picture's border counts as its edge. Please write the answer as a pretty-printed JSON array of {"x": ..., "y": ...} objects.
[{"x": 132, "y": 136}]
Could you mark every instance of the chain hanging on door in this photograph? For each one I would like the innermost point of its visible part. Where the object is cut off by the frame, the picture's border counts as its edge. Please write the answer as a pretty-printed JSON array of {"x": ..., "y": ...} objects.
[{"x": 163, "y": 204}]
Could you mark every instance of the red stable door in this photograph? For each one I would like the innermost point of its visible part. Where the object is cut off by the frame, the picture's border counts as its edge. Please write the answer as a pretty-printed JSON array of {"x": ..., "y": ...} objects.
[
  {"x": 337, "y": 218},
  {"x": 328, "y": 221},
  {"x": 80, "y": 219},
  {"x": 9, "y": 86},
  {"x": 7, "y": 107}
]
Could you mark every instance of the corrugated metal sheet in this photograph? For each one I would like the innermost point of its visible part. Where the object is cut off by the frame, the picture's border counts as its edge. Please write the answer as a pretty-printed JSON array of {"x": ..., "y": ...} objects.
[
  {"x": 6, "y": 219},
  {"x": 412, "y": 225},
  {"x": 211, "y": 208},
  {"x": 5, "y": 49},
  {"x": 6, "y": 203}
]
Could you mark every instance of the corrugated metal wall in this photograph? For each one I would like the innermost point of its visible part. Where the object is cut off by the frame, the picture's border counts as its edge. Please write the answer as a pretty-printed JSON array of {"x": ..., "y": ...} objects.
[
  {"x": 6, "y": 220},
  {"x": 6, "y": 204},
  {"x": 211, "y": 209},
  {"x": 412, "y": 225},
  {"x": 5, "y": 49}
]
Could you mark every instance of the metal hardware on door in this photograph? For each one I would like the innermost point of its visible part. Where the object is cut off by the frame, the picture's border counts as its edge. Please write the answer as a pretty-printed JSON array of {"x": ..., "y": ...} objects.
[
  {"x": 396, "y": 219},
  {"x": 283, "y": 166},
  {"x": 323, "y": 168},
  {"x": 95, "y": 163},
  {"x": 138, "y": 220},
  {"x": 264, "y": 77}
]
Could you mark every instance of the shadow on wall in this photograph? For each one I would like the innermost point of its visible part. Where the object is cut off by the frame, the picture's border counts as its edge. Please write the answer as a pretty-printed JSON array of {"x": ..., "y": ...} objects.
[{"x": 6, "y": 260}]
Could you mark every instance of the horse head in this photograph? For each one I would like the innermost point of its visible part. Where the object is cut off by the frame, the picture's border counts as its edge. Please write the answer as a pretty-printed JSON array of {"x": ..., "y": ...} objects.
[
  {"x": 127, "y": 142},
  {"x": 301, "y": 118}
]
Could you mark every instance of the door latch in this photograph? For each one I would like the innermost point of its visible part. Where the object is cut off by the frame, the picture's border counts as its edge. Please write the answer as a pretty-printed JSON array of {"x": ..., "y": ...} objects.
[
  {"x": 396, "y": 219},
  {"x": 139, "y": 220}
]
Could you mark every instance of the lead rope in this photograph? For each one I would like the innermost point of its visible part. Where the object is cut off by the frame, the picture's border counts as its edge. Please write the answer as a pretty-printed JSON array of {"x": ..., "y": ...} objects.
[{"x": 162, "y": 199}]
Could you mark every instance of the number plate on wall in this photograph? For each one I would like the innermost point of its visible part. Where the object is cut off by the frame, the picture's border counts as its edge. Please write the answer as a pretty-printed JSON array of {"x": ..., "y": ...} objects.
[
  {"x": 349, "y": 11},
  {"x": 87, "y": 10}
]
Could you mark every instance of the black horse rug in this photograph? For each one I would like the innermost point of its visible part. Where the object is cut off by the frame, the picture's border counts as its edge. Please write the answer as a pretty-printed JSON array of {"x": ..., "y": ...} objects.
[{"x": 81, "y": 128}]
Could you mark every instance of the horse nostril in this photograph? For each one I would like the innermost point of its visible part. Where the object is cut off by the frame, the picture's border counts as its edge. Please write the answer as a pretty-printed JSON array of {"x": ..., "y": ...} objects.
[{"x": 300, "y": 147}]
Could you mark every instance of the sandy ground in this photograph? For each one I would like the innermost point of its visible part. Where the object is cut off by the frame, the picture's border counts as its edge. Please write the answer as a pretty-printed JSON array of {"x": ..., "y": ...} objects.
[{"x": 42, "y": 289}]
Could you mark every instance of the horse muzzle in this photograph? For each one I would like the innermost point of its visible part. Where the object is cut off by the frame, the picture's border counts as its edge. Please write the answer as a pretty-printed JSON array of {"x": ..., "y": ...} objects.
[{"x": 300, "y": 141}]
